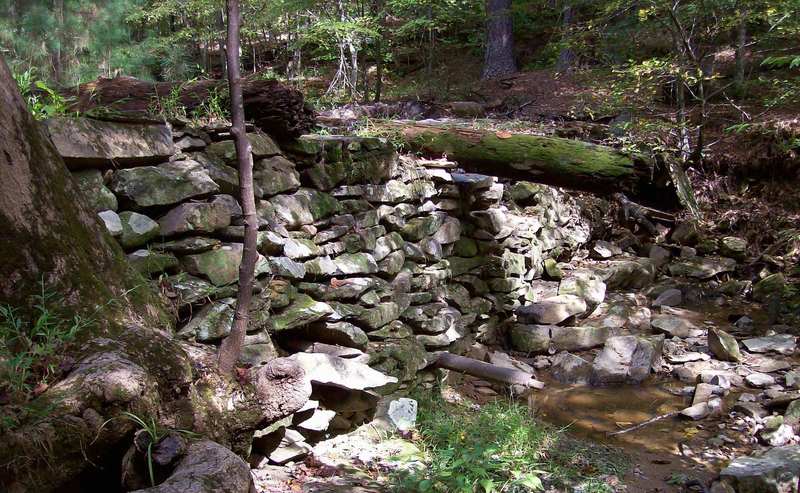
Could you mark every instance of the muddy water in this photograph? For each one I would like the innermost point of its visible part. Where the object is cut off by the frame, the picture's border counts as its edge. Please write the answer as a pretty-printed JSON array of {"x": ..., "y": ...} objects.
[{"x": 658, "y": 451}]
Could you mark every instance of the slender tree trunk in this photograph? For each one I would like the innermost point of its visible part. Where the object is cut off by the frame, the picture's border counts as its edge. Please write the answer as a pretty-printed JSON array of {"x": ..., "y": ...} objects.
[
  {"x": 566, "y": 57},
  {"x": 232, "y": 345},
  {"x": 378, "y": 10},
  {"x": 741, "y": 41},
  {"x": 499, "y": 56}
]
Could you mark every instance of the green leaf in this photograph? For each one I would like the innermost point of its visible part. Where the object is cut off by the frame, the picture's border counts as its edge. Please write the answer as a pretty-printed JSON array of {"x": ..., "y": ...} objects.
[{"x": 487, "y": 485}]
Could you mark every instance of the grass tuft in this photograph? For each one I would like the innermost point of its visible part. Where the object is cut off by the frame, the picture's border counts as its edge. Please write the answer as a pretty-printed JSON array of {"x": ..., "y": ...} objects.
[{"x": 499, "y": 447}]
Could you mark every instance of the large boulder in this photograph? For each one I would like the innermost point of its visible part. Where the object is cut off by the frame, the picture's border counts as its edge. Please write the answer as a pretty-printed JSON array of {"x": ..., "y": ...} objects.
[
  {"x": 577, "y": 338},
  {"x": 627, "y": 359},
  {"x": 165, "y": 184},
  {"x": 776, "y": 471},
  {"x": 769, "y": 287},
  {"x": 85, "y": 143},
  {"x": 207, "y": 467}
]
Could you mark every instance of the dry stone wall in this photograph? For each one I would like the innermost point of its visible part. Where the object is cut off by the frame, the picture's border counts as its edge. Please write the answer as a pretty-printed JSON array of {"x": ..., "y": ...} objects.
[{"x": 368, "y": 263}]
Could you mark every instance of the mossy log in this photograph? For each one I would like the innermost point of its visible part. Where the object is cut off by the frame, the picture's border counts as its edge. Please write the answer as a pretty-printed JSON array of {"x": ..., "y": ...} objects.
[
  {"x": 555, "y": 161},
  {"x": 277, "y": 109}
]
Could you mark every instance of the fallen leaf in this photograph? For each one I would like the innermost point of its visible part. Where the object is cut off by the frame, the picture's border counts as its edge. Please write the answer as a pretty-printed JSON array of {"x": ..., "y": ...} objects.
[
  {"x": 39, "y": 389},
  {"x": 502, "y": 134}
]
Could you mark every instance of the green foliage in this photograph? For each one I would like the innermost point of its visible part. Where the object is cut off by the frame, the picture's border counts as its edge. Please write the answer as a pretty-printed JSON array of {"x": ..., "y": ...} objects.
[
  {"x": 43, "y": 102},
  {"x": 498, "y": 447},
  {"x": 787, "y": 61},
  {"x": 31, "y": 349}
]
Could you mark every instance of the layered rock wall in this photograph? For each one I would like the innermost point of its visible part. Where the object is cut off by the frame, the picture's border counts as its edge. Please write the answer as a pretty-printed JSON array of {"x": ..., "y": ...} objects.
[{"x": 365, "y": 257}]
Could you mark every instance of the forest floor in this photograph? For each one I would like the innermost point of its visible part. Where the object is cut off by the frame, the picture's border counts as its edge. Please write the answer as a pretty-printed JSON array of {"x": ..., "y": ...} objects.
[{"x": 743, "y": 191}]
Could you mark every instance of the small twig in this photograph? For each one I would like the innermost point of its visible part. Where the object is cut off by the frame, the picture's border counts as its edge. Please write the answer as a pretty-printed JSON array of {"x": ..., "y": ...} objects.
[{"x": 644, "y": 423}]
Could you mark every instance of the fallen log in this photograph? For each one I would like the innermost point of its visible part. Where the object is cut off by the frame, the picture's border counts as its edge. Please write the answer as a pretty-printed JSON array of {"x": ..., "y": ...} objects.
[
  {"x": 643, "y": 423},
  {"x": 277, "y": 109},
  {"x": 489, "y": 371},
  {"x": 555, "y": 161}
]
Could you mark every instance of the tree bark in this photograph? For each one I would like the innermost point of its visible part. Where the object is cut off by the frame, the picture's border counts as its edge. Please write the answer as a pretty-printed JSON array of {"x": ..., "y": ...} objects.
[
  {"x": 499, "y": 56},
  {"x": 566, "y": 57},
  {"x": 741, "y": 42},
  {"x": 127, "y": 360},
  {"x": 554, "y": 161},
  {"x": 232, "y": 345}
]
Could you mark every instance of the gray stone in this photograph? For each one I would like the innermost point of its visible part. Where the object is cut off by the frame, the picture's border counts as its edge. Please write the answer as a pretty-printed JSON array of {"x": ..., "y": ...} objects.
[
  {"x": 201, "y": 217},
  {"x": 675, "y": 326},
  {"x": 551, "y": 310},
  {"x": 723, "y": 345},
  {"x": 275, "y": 175},
  {"x": 588, "y": 287},
  {"x": 298, "y": 248},
  {"x": 340, "y": 372},
  {"x": 303, "y": 310},
  {"x": 151, "y": 262},
  {"x": 165, "y": 184},
  {"x": 759, "y": 380},
  {"x": 356, "y": 263},
  {"x": 211, "y": 323},
  {"x": 186, "y": 246},
  {"x": 780, "y": 343},
  {"x": 304, "y": 207},
  {"x": 137, "y": 229},
  {"x": 703, "y": 410},
  {"x": 627, "y": 274},
  {"x": 83, "y": 142},
  {"x": 286, "y": 267},
  {"x": 94, "y": 191},
  {"x": 732, "y": 246},
  {"x": 291, "y": 447},
  {"x": 261, "y": 145},
  {"x": 769, "y": 287},
  {"x": 577, "y": 338},
  {"x": 220, "y": 265},
  {"x": 776, "y": 471},
  {"x": 206, "y": 467},
  {"x": 627, "y": 359},
  {"x": 398, "y": 414},
  {"x": 701, "y": 267},
  {"x": 530, "y": 338},
  {"x": 112, "y": 222},
  {"x": 570, "y": 369},
  {"x": 336, "y": 333},
  {"x": 669, "y": 297},
  {"x": 605, "y": 249}
]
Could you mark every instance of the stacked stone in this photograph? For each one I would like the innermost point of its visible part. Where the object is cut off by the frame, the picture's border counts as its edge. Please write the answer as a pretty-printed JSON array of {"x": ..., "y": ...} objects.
[{"x": 367, "y": 264}]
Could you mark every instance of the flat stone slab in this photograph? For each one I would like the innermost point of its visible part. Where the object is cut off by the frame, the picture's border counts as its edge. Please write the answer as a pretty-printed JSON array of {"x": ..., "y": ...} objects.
[
  {"x": 776, "y": 471},
  {"x": 339, "y": 372},
  {"x": 702, "y": 267},
  {"x": 86, "y": 143},
  {"x": 551, "y": 310},
  {"x": 781, "y": 343}
]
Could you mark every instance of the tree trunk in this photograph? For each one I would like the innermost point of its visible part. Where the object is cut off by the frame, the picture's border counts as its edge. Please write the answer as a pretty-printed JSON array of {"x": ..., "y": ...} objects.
[
  {"x": 276, "y": 108},
  {"x": 127, "y": 360},
  {"x": 232, "y": 345},
  {"x": 741, "y": 42},
  {"x": 499, "y": 56},
  {"x": 552, "y": 160},
  {"x": 566, "y": 57},
  {"x": 378, "y": 6}
]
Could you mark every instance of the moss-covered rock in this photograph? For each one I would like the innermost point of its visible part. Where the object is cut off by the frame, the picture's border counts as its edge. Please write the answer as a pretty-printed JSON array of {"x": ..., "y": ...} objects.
[
  {"x": 165, "y": 184},
  {"x": 275, "y": 175},
  {"x": 302, "y": 311},
  {"x": 303, "y": 207},
  {"x": 151, "y": 262},
  {"x": 201, "y": 217},
  {"x": 99, "y": 197},
  {"x": 220, "y": 265},
  {"x": 261, "y": 144},
  {"x": 137, "y": 229},
  {"x": 771, "y": 286}
]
